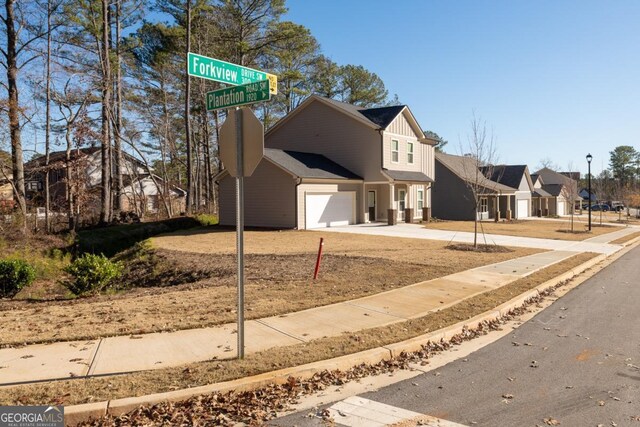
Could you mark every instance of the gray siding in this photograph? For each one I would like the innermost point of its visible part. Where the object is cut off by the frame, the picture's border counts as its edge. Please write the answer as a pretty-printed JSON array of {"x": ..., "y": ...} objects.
[
  {"x": 269, "y": 198},
  {"x": 450, "y": 197},
  {"x": 321, "y": 129}
]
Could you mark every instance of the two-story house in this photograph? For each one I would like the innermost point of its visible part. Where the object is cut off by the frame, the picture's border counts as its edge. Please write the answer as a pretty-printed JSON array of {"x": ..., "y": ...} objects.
[{"x": 329, "y": 163}]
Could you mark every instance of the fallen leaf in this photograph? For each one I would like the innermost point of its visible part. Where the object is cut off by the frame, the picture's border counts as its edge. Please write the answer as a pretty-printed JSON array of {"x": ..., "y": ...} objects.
[{"x": 551, "y": 421}]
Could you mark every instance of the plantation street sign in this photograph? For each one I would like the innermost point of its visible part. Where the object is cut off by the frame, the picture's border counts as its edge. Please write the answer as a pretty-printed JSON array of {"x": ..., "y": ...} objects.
[
  {"x": 226, "y": 72},
  {"x": 238, "y": 95}
]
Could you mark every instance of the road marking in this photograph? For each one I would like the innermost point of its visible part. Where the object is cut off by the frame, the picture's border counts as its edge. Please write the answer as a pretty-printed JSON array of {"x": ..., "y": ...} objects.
[{"x": 357, "y": 411}]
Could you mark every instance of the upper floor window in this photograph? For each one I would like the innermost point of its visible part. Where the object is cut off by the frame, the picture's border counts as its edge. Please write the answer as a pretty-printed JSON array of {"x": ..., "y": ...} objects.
[
  {"x": 394, "y": 150},
  {"x": 410, "y": 152}
]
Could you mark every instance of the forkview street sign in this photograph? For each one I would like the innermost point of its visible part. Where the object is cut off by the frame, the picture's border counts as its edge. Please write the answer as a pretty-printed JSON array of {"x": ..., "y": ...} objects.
[
  {"x": 226, "y": 72},
  {"x": 238, "y": 95}
]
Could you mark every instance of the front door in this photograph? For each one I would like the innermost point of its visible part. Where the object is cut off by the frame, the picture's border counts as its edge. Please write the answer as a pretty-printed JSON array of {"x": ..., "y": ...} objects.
[
  {"x": 402, "y": 196},
  {"x": 371, "y": 200}
]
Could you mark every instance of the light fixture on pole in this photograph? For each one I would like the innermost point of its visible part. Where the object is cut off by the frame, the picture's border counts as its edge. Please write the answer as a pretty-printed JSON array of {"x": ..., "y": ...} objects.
[{"x": 589, "y": 158}]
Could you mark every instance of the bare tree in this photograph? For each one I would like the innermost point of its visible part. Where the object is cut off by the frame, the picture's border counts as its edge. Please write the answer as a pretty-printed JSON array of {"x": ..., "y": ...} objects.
[
  {"x": 480, "y": 153},
  {"x": 570, "y": 193}
]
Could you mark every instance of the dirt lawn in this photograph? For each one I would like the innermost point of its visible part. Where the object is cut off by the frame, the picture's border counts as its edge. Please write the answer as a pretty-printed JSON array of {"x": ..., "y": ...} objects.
[
  {"x": 194, "y": 283},
  {"x": 557, "y": 230}
]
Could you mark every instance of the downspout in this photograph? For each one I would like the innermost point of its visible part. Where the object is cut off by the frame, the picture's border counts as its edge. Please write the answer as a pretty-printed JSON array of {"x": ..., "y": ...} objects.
[{"x": 295, "y": 198}]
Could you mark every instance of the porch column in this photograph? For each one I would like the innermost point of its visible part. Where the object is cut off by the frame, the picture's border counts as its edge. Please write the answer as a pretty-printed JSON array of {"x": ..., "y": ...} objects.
[
  {"x": 496, "y": 216},
  {"x": 392, "y": 218},
  {"x": 545, "y": 211},
  {"x": 508, "y": 213}
]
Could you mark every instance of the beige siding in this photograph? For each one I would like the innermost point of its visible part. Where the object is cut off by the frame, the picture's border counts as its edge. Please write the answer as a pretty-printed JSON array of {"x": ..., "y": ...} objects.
[
  {"x": 328, "y": 188},
  {"x": 401, "y": 126},
  {"x": 321, "y": 129},
  {"x": 269, "y": 198}
]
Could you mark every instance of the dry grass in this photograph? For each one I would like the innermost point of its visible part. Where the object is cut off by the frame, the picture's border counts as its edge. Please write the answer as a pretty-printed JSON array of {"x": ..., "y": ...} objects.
[
  {"x": 626, "y": 238},
  {"x": 141, "y": 383},
  {"x": 279, "y": 268},
  {"x": 557, "y": 230}
]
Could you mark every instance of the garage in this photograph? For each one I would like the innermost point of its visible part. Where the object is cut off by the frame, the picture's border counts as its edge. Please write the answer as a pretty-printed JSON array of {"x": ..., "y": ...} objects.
[
  {"x": 522, "y": 209},
  {"x": 330, "y": 209}
]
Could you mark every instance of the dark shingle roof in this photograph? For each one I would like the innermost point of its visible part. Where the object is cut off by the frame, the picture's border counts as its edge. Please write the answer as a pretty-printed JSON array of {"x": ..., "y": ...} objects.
[
  {"x": 407, "y": 176},
  {"x": 308, "y": 165},
  {"x": 509, "y": 175},
  {"x": 381, "y": 116},
  {"x": 553, "y": 189},
  {"x": 56, "y": 156}
]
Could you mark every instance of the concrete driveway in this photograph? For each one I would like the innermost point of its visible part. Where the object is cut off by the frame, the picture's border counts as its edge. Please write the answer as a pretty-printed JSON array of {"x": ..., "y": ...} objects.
[{"x": 417, "y": 231}]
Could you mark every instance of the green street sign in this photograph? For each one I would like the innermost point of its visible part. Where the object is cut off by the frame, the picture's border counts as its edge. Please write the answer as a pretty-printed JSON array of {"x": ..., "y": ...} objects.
[
  {"x": 238, "y": 95},
  {"x": 226, "y": 72}
]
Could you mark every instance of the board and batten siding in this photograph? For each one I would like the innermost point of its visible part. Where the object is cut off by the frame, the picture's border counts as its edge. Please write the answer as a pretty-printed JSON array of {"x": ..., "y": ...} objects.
[
  {"x": 321, "y": 129},
  {"x": 269, "y": 198},
  {"x": 311, "y": 188},
  {"x": 423, "y": 154}
]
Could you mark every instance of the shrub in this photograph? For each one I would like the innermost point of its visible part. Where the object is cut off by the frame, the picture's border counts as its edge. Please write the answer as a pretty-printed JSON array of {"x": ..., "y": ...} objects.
[
  {"x": 92, "y": 273},
  {"x": 15, "y": 274},
  {"x": 207, "y": 220}
]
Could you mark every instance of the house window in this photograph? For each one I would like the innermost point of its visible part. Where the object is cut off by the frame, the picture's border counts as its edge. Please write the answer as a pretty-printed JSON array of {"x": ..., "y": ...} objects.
[
  {"x": 394, "y": 150},
  {"x": 420, "y": 199},
  {"x": 484, "y": 204},
  {"x": 410, "y": 152},
  {"x": 34, "y": 185}
]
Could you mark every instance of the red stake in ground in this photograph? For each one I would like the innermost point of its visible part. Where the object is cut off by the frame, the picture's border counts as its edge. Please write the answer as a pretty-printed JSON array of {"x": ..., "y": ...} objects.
[{"x": 315, "y": 273}]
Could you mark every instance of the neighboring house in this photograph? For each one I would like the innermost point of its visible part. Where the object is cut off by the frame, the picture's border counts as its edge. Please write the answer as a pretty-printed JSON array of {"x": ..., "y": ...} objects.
[
  {"x": 561, "y": 188},
  {"x": 584, "y": 194},
  {"x": 505, "y": 189},
  {"x": 541, "y": 199},
  {"x": 143, "y": 196},
  {"x": 85, "y": 174},
  {"x": 328, "y": 163}
]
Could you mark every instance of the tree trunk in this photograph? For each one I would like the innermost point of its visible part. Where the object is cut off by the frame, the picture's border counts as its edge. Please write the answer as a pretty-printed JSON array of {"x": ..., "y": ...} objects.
[
  {"x": 187, "y": 121},
  {"x": 14, "y": 112},
  {"x": 105, "y": 210},
  {"x": 47, "y": 136},
  {"x": 118, "y": 185}
]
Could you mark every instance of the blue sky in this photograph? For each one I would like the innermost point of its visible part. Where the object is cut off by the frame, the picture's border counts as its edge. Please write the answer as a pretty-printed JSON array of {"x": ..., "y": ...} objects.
[{"x": 554, "y": 79}]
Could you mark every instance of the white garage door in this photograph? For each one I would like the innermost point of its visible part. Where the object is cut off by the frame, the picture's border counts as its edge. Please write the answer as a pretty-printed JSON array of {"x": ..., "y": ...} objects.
[
  {"x": 522, "y": 209},
  {"x": 329, "y": 209},
  {"x": 560, "y": 207}
]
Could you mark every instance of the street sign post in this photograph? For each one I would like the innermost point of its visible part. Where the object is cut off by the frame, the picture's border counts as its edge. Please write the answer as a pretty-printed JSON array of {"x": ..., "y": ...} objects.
[
  {"x": 241, "y": 137},
  {"x": 238, "y": 95},
  {"x": 226, "y": 72}
]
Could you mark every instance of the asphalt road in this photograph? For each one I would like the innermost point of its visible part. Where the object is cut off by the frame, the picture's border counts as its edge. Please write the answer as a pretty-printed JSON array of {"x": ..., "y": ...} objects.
[{"x": 577, "y": 362}]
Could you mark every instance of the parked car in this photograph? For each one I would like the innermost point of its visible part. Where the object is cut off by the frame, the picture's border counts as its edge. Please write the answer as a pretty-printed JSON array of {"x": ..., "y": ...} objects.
[
  {"x": 617, "y": 206},
  {"x": 601, "y": 207}
]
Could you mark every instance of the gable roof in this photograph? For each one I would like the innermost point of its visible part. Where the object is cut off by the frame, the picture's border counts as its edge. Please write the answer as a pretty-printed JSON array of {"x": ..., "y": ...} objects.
[
  {"x": 509, "y": 175},
  {"x": 465, "y": 168},
  {"x": 553, "y": 189},
  {"x": 303, "y": 165},
  {"x": 308, "y": 165},
  {"x": 375, "y": 118},
  {"x": 60, "y": 156}
]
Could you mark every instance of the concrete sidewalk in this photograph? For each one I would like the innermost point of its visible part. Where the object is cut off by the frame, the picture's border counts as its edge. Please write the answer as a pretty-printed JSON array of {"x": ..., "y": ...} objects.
[
  {"x": 121, "y": 354},
  {"x": 596, "y": 244}
]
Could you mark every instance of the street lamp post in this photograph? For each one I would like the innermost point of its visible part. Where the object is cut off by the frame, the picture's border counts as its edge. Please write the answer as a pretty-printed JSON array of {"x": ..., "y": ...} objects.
[{"x": 589, "y": 158}]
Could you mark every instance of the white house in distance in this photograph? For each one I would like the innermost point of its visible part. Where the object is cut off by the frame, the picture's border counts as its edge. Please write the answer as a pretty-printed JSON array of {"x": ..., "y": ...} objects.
[{"x": 329, "y": 163}]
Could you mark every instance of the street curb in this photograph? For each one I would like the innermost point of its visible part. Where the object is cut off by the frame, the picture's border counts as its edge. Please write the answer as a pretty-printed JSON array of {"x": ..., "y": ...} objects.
[{"x": 79, "y": 413}]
